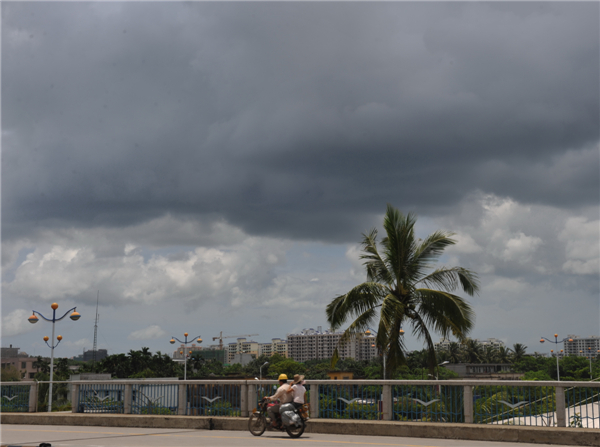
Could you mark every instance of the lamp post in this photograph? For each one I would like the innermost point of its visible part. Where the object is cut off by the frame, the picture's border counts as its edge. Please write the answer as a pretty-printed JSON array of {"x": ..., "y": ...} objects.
[
  {"x": 172, "y": 341},
  {"x": 589, "y": 357},
  {"x": 556, "y": 342},
  {"x": 33, "y": 319},
  {"x": 261, "y": 367}
]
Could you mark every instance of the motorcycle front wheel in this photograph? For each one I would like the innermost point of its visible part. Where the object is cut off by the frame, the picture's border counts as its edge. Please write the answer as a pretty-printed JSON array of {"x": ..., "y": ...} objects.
[
  {"x": 257, "y": 424},
  {"x": 295, "y": 432}
]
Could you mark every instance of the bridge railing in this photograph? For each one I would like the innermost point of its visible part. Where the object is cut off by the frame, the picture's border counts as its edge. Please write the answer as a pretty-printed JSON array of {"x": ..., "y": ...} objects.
[{"x": 515, "y": 402}]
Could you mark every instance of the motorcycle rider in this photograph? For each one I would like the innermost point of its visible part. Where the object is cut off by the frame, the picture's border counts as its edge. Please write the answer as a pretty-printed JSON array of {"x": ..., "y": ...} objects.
[
  {"x": 298, "y": 391},
  {"x": 282, "y": 395}
]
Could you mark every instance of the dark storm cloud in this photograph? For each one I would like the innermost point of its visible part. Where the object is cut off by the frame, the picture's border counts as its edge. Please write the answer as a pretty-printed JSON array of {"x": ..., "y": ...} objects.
[{"x": 293, "y": 119}]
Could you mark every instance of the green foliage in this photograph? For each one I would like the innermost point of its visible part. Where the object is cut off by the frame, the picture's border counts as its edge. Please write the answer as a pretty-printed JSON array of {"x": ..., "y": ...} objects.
[
  {"x": 221, "y": 408},
  {"x": 537, "y": 375},
  {"x": 236, "y": 368},
  {"x": 136, "y": 364},
  {"x": 285, "y": 366},
  {"x": 357, "y": 410},
  {"x": 10, "y": 374},
  {"x": 145, "y": 374},
  {"x": 576, "y": 421},
  {"x": 402, "y": 291}
]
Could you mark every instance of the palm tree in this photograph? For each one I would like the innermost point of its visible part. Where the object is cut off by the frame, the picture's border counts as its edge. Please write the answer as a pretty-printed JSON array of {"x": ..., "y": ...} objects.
[
  {"x": 402, "y": 291},
  {"x": 519, "y": 351},
  {"x": 488, "y": 354},
  {"x": 454, "y": 352},
  {"x": 504, "y": 354},
  {"x": 473, "y": 351}
]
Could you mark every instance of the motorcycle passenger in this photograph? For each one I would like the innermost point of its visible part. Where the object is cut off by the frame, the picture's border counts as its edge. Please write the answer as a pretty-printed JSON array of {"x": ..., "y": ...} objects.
[
  {"x": 282, "y": 395},
  {"x": 298, "y": 391}
]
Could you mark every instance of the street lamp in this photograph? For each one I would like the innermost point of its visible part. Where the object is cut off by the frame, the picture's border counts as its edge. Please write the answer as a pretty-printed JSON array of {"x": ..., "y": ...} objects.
[
  {"x": 33, "y": 319},
  {"x": 437, "y": 377},
  {"x": 556, "y": 342},
  {"x": 172, "y": 341},
  {"x": 589, "y": 356},
  {"x": 261, "y": 367}
]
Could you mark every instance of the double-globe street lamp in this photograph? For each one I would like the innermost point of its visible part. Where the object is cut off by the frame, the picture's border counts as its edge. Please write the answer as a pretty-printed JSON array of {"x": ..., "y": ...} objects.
[
  {"x": 556, "y": 342},
  {"x": 172, "y": 341},
  {"x": 33, "y": 319}
]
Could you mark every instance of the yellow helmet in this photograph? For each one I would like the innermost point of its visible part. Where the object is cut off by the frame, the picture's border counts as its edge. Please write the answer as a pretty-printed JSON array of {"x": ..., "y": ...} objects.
[{"x": 282, "y": 377}]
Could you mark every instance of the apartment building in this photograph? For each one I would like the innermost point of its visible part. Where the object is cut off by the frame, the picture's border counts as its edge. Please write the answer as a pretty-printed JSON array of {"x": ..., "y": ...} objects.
[
  {"x": 184, "y": 350},
  {"x": 582, "y": 346},
  {"x": 444, "y": 343},
  {"x": 242, "y": 346},
  {"x": 317, "y": 344},
  {"x": 20, "y": 361},
  {"x": 494, "y": 342},
  {"x": 276, "y": 346}
]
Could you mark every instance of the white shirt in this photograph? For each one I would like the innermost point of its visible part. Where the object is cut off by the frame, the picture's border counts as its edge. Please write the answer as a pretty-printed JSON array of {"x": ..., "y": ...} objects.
[
  {"x": 298, "y": 393},
  {"x": 282, "y": 394}
]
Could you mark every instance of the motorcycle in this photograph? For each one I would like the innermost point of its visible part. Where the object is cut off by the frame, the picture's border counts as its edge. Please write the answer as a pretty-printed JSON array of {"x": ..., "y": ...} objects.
[{"x": 260, "y": 420}]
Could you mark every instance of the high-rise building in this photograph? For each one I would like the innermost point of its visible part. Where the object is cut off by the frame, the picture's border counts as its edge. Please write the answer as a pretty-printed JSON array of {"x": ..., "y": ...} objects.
[
  {"x": 184, "y": 350},
  {"x": 444, "y": 343},
  {"x": 242, "y": 346},
  {"x": 582, "y": 346},
  {"x": 310, "y": 344},
  {"x": 276, "y": 346}
]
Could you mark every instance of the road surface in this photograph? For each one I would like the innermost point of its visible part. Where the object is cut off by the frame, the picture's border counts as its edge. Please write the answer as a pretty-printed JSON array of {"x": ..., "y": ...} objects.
[{"x": 76, "y": 436}]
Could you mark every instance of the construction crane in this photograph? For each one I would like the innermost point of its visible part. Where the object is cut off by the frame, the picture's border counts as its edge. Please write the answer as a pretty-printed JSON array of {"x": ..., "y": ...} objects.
[{"x": 220, "y": 338}]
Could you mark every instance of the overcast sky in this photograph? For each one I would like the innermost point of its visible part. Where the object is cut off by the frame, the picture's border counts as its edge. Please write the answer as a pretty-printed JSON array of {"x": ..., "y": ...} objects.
[{"x": 211, "y": 167}]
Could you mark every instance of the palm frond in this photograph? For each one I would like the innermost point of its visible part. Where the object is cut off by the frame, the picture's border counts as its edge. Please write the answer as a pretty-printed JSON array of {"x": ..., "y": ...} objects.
[
  {"x": 377, "y": 270},
  {"x": 358, "y": 327},
  {"x": 420, "y": 330},
  {"x": 450, "y": 278},
  {"x": 361, "y": 298},
  {"x": 399, "y": 243},
  {"x": 445, "y": 313}
]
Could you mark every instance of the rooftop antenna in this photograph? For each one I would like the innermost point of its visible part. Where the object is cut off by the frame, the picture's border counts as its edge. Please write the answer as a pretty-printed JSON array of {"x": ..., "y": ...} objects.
[{"x": 95, "y": 348}]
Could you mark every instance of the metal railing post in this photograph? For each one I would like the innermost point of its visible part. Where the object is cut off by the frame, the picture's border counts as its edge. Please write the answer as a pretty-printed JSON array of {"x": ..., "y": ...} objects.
[
  {"x": 314, "y": 401},
  {"x": 387, "y": 402},
  {"x": 244, "y": 400},
  {"x": 74, "y": 398},
  {"x": 468, "y": 403},
  {"x": 561, "y": 420},
  {"x": 33, "y": 397},
  {"x": 128, "y": 399},
  {"x": 182, "y": 400}
]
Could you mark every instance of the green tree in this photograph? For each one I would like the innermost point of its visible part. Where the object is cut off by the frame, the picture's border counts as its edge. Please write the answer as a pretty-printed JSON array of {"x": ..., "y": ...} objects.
[
  {"x": 454, "y": 352},
  {"x": 288, "y": 367},
  {"x": 489, "y": 354},
  {"x": 401, "y": 290},
  {"x": 10, "y": 374},
  {"x": 519, "y": 351},
  {"x": 42, "y": 365},
  {"x": 472, "y": 351},
  {"x": 504, "y": 355}
]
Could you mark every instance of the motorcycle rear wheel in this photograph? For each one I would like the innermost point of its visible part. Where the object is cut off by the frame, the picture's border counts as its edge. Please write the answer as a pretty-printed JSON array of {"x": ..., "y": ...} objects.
[
  {"x": 257, "y": 424},
  {"x": 295, "y": 432}
]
